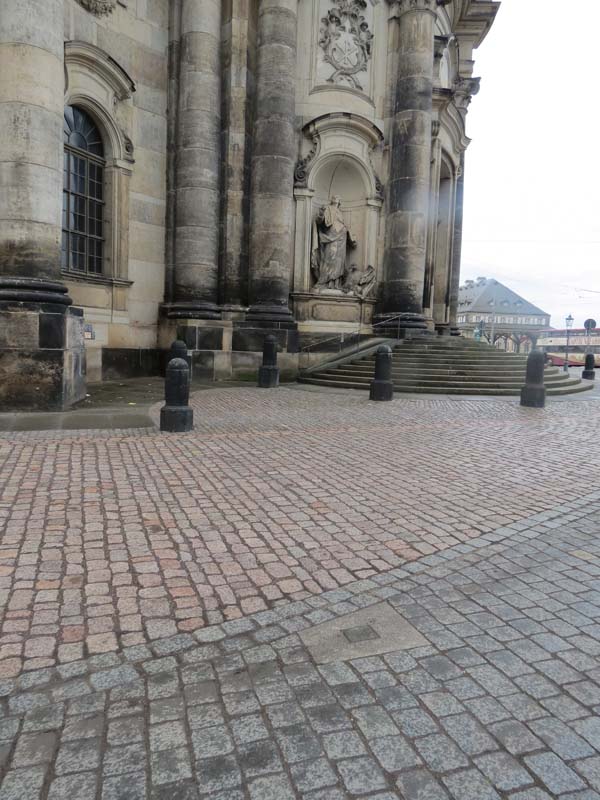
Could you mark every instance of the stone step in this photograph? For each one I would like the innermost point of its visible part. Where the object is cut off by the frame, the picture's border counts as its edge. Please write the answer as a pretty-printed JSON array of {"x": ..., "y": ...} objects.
[
  {"x": 441, "y": 389},
  {"x": 369, "y": 368},
  {"x": 412, "y": 380},
  {"x": 410, "y": 377},
  {"x": 447, "y": 367}
]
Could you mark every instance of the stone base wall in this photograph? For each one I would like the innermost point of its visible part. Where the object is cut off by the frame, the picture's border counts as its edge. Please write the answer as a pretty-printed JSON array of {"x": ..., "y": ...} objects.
[{"x": 42, "y": 358}]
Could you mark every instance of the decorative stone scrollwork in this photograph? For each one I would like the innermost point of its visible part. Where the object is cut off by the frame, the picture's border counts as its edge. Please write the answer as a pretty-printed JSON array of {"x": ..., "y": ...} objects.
[
  {"x": 99, "y": 7},
  {"x": 301, "y": 169},
  {"x": 346, "y": 41},
  {"x": 464, "y": 90}
]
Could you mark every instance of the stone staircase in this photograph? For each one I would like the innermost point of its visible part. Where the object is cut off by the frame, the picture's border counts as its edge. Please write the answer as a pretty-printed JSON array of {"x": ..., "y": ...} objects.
[{"x": 442, "y": 366}]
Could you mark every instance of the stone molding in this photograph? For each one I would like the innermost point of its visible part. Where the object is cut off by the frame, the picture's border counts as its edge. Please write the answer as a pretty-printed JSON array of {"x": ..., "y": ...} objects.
[
  {"x": 404, "y": 6},
  {"x": 89, "y": 57},
  {"x": 100, "y": 8}
]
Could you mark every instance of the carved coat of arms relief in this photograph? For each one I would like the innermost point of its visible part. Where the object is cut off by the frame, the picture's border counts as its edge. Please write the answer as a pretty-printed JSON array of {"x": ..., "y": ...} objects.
[
  {"x": 346, "y": 41},
  {"x": 99, "y": 7}
]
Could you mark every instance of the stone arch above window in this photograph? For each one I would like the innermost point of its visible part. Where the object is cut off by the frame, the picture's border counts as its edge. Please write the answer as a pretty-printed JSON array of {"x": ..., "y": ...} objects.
[{"x": 101, "y": 90}]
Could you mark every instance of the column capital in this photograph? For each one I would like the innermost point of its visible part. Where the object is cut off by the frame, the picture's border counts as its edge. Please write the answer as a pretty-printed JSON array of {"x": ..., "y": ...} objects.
[{"x": 429, "y": 6}]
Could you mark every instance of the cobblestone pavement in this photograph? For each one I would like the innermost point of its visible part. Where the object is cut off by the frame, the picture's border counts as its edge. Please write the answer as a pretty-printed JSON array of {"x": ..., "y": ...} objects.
[
  {"x": 113, "y": 539},
  {"x": 501, "y": 702}
]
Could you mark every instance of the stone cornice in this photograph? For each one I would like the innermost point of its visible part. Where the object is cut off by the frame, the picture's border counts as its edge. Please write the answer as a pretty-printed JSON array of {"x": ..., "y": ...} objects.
[{"x": 474, "y": 18}]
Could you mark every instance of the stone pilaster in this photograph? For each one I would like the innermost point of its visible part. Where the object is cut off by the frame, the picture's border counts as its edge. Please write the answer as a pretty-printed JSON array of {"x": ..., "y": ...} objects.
[
  {"x": 41, "y": 341},
  {"x": 457, "y": 247},
  {"x": 198, "y": 162},
  {"x": 273, "y": 160},
  {"x": 410, "y": 166}
]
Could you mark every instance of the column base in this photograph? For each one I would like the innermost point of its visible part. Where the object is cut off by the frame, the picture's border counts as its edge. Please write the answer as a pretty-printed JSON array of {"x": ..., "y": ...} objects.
[
  {"x": 269, "y": 313},
  {"x": 192, "y": 311},
  {"x": 42, "y": 354},
  {"x": 400, "y": 325}
]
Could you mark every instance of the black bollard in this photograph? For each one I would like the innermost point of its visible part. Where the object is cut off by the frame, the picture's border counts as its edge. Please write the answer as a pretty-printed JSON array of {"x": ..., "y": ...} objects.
[
  {"x": 589, "y": 372},
  {"x": 178, "y": 350},
  {"x": 268, "y": 373},
  {"x": 533, "y": 394},
  {"x": 382, "y": 387},
  {"x": 176, "y": 416}
]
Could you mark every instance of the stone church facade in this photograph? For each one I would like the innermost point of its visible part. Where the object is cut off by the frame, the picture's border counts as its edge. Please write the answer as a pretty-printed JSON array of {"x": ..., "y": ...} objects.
[{"x": 218, "y": 170}]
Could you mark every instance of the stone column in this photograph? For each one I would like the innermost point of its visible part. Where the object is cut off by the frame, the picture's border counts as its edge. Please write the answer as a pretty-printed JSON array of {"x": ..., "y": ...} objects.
[
  {"x": 457, "y": 246},
  {"x": 41, "y": 340},
  {"x": 239, "y": 46},
  {"x": 410, "y": 166},
  {"x": 32, "y": 87},
  {"x": 273, "y": 160},
  {"x": 198, "y": 162}
]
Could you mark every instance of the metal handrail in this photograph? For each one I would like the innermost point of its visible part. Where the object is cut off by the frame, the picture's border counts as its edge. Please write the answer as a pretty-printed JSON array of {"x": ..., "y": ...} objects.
[{"x": 342, "y": 336}]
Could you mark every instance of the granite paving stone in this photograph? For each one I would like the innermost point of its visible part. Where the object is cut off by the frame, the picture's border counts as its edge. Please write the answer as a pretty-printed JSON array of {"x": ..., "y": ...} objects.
[{"x": 231, "y": 541}]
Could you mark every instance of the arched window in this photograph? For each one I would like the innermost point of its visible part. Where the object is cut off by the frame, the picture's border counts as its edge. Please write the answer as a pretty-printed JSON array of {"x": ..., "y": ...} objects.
[{"x": 83, "y": 194}]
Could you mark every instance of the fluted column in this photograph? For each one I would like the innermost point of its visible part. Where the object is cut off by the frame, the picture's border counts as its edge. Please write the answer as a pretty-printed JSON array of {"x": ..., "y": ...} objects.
[
  {"x": 273, "y": 159},
  {"x": 410, "y": 165},
  {"x": 198, "y": 160},
  {"x": 31, "y": 121},
  {"x": 457, "y": 246}
]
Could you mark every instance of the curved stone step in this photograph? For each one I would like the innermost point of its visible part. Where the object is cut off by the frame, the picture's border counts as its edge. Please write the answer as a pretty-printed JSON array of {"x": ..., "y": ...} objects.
[{"x": 437, "y": 389}]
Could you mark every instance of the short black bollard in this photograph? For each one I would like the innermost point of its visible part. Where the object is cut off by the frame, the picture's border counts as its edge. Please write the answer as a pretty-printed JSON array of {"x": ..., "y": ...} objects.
[
  {"x": 176, "y": 416},
  {"x": 382, "y": 387},
  {"x": 533, "y": 394},
  {"x": 178, "y": 350},
  {"x": 268, "y": 373},
  {"x": 589, "y": 372}
]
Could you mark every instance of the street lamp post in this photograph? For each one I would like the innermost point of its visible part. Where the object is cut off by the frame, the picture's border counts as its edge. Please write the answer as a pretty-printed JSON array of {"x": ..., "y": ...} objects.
[{"x": 569, "y": 321}]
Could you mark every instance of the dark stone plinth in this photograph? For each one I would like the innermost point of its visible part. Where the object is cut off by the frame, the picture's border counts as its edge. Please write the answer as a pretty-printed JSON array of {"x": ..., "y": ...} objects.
[
  {"x": 533, "y": 394},
  {"x": 176, "y": 416},
  {"x": 268, "y": 373},
  {"x": 589, "y": 373},
  {"x": 130, "y": 362},
  {"x": 382, "y": 387},
  {"x": 42, "y": 355}
]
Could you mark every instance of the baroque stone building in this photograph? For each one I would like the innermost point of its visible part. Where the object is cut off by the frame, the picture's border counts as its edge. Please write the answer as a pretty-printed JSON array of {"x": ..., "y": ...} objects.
[
  {"x": 490, "y": 311},
  {"x": 214, "y": 171}
]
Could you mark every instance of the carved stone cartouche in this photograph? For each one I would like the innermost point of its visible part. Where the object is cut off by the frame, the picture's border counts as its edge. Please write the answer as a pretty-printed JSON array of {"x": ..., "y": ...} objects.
[
  {"x": 346, "y": 41},
  {"x": 99, "y": 7}
]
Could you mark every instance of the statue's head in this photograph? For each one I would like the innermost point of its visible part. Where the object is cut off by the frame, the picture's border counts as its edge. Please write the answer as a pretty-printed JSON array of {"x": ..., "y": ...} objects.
[{"x": 336, "y": 200}]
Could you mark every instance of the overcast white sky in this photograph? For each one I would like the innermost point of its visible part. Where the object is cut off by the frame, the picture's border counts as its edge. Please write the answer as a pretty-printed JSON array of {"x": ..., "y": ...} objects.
[{"x": 532, "y": 196}]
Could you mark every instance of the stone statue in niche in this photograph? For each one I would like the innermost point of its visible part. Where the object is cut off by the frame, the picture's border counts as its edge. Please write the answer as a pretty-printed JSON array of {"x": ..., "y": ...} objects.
[
  {"x": 330, "y": 239},
  {"x": 346, "y": 40},
  {"x": 360, "y": 282}
]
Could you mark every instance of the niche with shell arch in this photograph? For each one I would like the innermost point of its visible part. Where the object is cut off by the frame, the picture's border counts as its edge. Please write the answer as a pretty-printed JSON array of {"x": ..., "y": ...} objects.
[{"x": 339, "y": 164}]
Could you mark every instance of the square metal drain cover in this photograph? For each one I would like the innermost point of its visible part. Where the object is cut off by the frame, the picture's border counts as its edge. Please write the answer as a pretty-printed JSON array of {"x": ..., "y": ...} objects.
[
  {"x": 367, "y": 632},
  {"x": 361, "y": 634}
]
